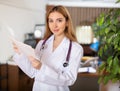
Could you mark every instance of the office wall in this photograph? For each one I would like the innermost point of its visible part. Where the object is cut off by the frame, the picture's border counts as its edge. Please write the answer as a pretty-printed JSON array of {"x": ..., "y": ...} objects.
[{"x": 17, "y": 21}]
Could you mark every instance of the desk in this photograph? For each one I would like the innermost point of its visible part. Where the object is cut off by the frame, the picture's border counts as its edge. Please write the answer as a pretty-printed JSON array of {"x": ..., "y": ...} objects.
[
  {"x": 3, "y": 77},
  {"x": 88, "y": 74},
  {"x": 17, "y": 80},
  {"x": 86, "y": 82}
]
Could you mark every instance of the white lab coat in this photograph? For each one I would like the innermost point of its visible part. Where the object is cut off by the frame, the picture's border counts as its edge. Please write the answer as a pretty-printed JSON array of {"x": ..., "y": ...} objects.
[{"x": 53, "y": 76}]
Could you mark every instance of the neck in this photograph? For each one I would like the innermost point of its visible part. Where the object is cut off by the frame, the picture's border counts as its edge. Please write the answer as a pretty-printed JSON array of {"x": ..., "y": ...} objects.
[
  {"x": 57, "y": 41},
  {"x": 58, "y": 38}
]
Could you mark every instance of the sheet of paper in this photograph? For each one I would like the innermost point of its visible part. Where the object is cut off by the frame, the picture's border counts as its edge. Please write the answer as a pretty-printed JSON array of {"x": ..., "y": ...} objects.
[
  {"x": 87, "y": 69},
  {"x": 24, "y": 48}
]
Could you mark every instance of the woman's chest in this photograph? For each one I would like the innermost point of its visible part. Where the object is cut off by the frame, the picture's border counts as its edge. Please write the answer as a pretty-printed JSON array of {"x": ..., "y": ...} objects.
[{"x": 58, "y": 55}]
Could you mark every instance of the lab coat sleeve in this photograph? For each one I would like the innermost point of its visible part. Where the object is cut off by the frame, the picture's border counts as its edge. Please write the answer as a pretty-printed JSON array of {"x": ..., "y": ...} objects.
[
  {"x": 63, "y": 76},
  {"x": 24, "y": 64}
]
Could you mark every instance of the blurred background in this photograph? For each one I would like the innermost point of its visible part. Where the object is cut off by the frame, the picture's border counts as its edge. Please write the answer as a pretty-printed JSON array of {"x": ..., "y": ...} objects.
[{"x": 25, "y": 21}]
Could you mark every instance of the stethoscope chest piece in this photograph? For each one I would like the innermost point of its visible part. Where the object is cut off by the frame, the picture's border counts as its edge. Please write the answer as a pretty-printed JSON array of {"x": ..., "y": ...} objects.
[
  {"x": 44, "y": 46},
  {"x": 65, "y": 64}
]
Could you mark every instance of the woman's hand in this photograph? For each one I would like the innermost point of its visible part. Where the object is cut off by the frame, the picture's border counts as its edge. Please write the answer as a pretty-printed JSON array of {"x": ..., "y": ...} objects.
[
  {"x": 35, "y": 63},
  {"x": 16, "y": 49}
]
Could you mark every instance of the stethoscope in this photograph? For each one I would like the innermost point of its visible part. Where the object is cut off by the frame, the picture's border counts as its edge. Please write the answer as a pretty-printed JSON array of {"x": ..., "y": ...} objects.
[{"x": 66, "y": 63}]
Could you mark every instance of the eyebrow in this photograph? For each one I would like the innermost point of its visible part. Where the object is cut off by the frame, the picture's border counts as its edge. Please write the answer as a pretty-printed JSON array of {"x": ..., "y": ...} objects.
[{"x": 57, "y": 18}]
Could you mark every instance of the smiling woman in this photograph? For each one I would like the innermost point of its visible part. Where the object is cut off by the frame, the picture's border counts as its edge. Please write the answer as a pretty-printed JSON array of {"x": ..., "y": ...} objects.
[{"x": 58, "y": 46}]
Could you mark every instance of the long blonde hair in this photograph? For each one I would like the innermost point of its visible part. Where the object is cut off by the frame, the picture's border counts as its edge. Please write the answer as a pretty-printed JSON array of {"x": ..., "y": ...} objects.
[{"x": 69, "y": 31}]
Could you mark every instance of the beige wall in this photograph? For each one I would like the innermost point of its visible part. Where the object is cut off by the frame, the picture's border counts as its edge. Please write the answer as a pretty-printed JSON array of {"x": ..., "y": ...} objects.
[{"x": 18, "y": 21}]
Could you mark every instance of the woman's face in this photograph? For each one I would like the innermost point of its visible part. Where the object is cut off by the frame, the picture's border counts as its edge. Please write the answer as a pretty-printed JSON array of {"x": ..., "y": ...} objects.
[{"x": 57, "y": 23}]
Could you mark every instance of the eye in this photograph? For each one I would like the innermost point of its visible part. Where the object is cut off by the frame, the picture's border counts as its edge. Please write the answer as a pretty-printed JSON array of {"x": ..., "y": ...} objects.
[
  {"x": 50, "y": 20},
  {"x": 59, "y": 20}
]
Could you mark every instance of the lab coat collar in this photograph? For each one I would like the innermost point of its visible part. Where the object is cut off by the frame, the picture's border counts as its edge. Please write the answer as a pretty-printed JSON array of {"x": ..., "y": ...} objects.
[{"x": 64, "y": 43}]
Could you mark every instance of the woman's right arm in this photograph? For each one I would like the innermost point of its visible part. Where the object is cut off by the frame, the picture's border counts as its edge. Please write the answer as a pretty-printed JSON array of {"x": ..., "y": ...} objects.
[{"x": 23, "y": 62}]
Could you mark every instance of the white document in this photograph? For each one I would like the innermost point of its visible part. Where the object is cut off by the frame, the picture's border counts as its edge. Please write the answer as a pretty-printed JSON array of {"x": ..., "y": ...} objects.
[
  {"x": 24, "y": 48},
  {"x": 87, "y": 69}
]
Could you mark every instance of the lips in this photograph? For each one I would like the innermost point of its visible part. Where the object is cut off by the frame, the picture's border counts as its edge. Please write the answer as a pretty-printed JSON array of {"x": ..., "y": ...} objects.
[{"x": 56, "y": 30}]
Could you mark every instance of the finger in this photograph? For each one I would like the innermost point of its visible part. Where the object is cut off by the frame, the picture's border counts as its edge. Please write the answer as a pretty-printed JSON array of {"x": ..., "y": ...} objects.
[{"x": 31, "y": 58}]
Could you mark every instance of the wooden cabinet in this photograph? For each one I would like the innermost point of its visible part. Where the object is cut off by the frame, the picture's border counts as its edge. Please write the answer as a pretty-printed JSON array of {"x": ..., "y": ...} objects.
[
  {"x": 86, "y": 82},
  {"x": 3, "y": 77},
  {"x": 17, "y": 80}
]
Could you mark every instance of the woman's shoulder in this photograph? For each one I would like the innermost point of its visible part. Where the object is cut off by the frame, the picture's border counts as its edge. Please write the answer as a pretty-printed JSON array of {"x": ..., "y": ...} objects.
[
  {"x": 77, "y": 49},
  {"x": 47, "y": 40},
  {"x": 40, "y": 42},
  {"x": 77, "y": 46}
]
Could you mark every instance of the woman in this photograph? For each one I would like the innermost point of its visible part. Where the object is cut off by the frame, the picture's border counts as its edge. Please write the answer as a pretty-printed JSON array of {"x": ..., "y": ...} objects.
[{"x": 59, "y": 54}]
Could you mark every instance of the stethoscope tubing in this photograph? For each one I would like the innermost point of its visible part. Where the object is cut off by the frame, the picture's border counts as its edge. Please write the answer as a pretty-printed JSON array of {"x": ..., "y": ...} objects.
[{"x": 66, "y": 63}]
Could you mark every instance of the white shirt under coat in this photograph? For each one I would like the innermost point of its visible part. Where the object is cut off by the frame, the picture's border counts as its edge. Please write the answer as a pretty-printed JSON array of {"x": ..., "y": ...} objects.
[{"x": 53, "y": 76}]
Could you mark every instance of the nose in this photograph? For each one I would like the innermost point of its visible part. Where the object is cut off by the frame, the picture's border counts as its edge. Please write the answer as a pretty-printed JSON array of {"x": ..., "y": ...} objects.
[{"x": 55, "y": 24}]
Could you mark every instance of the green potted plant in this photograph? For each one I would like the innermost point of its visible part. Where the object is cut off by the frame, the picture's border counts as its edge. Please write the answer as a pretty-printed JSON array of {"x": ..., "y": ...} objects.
[{"x": 107, "y": 28}]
